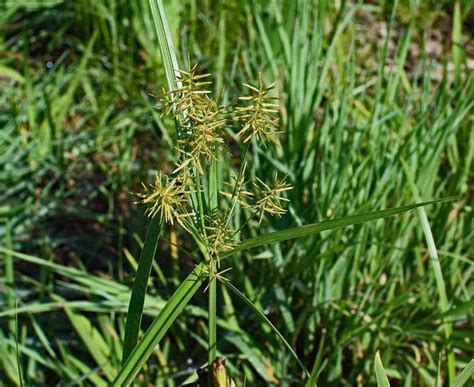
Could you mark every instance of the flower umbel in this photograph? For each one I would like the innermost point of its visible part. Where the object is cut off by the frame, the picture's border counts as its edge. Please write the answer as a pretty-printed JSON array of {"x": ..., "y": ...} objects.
[
  {"x": 259, "y": 117},
  {"x": 269, "y": 199},
  {"x": 188, "y": 98},
  {"x": 201, "y": 128},
  {"x": 201, "y": 119},
  {"x": 204, "y": 135},
  {"x": 165, "y": 197},
  {"x": 219, "y": 237}
]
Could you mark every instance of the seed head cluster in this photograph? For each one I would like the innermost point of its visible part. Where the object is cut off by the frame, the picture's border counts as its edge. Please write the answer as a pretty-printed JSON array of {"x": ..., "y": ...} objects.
[
  {"x": 259, "y": 115},
  {"x": 201, "y": 120},
  {"x": 219, "y": 237},
  {"x": 202, "y": 123},
  {"x": 269, "y": 199},
  {"x": 166, "y": 198}
]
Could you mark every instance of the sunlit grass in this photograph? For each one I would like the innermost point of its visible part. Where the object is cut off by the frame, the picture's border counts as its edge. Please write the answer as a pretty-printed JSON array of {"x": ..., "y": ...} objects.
[{"x": 80, "y": 133}]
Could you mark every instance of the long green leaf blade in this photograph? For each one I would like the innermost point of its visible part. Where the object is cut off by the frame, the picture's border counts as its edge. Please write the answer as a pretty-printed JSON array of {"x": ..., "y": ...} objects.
[
  {"x": 168, "y": 52},
  {"x": 93, "y": 341},
  {"x": 466, "y": 374},
  {"x": 438, "y": 273},
  {"x": 302, "y": 231},
  {"x": 382, "y": 380},
  {"x": 160, "y": 326},
  {"x": 137, "y": 298},
  {"x": 267, "y": 321}
]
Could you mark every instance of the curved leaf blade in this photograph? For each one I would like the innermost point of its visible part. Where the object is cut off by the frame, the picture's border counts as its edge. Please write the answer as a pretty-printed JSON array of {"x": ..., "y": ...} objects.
[
  {"x": 302, "y": 231},
  {"x": 160, "y": 326},
  {"x": 137, "y": 298},
  {"x": 382, "y": 380},
  {"x": 259, "y": 313}
]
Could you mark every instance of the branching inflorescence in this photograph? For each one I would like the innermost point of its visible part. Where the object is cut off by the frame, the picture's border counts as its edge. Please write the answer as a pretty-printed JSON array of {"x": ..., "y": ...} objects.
[{"x": 202, "y": 122}]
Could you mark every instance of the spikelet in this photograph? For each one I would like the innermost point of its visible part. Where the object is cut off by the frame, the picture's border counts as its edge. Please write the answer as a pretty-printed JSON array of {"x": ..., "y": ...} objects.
[
  {"x": 259, "y": 117},
  {"x": 219, "y": 237},
  {"x": 239, "y": 194},
  {"x": 269, "y": 199},
  {"x": 202, "y": 120},
  {"x": 204, "y": 136},
  {"x": 166, "y": 198},
  {"x": 188, "y": 96}
]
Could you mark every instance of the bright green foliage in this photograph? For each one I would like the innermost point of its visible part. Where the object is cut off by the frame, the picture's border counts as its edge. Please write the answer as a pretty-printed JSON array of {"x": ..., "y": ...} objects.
[
  {"x": 360, "y": 86},
  {"x": 382, "y": 380}
]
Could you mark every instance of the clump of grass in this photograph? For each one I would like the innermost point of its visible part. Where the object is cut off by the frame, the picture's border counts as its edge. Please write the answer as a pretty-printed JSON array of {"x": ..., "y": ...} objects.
[
  {"x": 78, "y": 136},
  {"x": 204, "y": 211}
]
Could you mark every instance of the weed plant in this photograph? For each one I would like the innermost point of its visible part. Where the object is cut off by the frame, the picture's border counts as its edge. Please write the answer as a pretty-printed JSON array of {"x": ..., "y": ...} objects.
[{"x": 365, "y": 124}]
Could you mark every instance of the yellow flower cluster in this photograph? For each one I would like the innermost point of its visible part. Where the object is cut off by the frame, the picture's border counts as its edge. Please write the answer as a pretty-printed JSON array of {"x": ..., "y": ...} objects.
[
  {"x": 259, "y": 116},
  {"x": 166, "y": 198},
  {"x": 202, "y": 122}
]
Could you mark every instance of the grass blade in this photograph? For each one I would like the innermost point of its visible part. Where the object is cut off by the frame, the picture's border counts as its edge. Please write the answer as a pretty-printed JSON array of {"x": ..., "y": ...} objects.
[
  {"x": 266, "y": 320},
  {"x": 85, "y": 279},
  {"x": 382, "y": 380},
  {"x": 168, "y": 53},
  {"x": 465, "y": 375},
  {"x": 8, "y": 72},
  {"x": 9, "y": 268},
  {"x": 137, "y": 298},
  {"x": 302, "y": 231},
  {"x": 456, "y": 41},
  {"x": 160, "y": 326},
  {"x": 312, "y": 381},
  {"x": 443, "y": 298},
  {"x": 93, "y": 341}
]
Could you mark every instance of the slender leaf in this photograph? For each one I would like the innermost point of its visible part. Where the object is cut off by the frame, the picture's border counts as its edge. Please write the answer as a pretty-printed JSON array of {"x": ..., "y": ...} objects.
[
  {"x": 160, "y": 326},
  {"x": 312, "y": 381},
  {"x": 137, "y": 298},
  {"x": 382, "y": 380},
  {"x": 168, "y": 52},
  {"x": 94, "y": 342},
  {"x": 12, "y": 74},
  {"x": 466, "y": 374},
  {"x": 93, "y": 282},
  {"x": 266, "y": 320},
  {"x": 438, "y": 273},
  {"x": 302, "y": 231}
]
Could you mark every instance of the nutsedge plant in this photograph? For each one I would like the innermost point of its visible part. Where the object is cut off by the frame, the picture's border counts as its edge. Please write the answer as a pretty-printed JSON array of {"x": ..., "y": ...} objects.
[
  {"x": 193, "y": 196},
  {"x": 368, "y": 122},
  {"x": 190, "y": 195},
  {"x": 202, "y": 123}
]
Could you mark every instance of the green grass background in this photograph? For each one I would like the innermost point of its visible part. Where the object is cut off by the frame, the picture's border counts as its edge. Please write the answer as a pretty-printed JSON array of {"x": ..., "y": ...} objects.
[{"x": 363, "y": 86}]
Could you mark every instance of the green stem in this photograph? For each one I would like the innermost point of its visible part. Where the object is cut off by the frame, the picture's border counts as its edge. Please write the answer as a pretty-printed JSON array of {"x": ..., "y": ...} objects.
[
  {"x": 200, "y": 204},
  {"x": 212, "y": 340},
  {"x": 236, "y": 186},
  {"x": 213, "y": 190},
  {"x": 441, "y": 286},
  {"x": 10, "y": 278}
]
